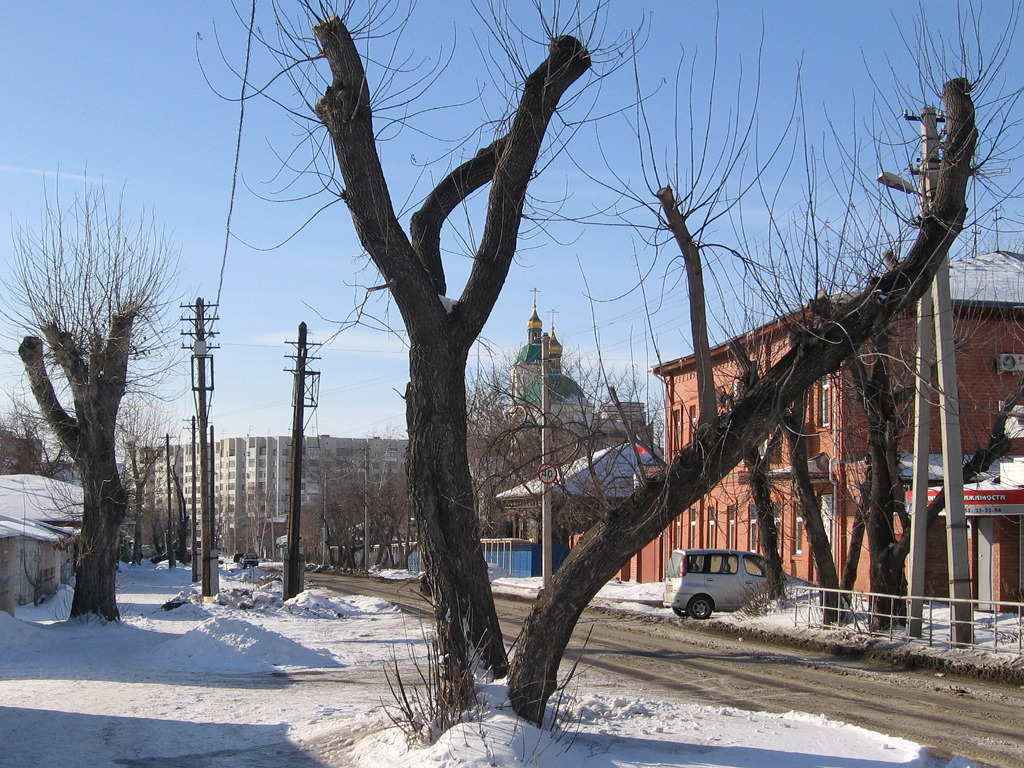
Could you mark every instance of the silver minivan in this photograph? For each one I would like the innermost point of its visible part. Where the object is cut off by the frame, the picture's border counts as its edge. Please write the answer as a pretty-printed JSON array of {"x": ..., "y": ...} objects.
[{"x": 701, "y": 581}]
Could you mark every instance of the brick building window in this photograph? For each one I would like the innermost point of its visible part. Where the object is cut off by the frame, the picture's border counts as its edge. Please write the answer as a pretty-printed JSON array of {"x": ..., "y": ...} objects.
[
  {"x": 824, "y": 402},
  {"x": 753, "y": 544},
  {"x": 730, "y": 531}
]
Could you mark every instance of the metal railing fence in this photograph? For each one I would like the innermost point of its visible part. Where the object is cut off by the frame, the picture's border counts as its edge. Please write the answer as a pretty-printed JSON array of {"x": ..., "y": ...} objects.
[{"x": 994, "y": 626}]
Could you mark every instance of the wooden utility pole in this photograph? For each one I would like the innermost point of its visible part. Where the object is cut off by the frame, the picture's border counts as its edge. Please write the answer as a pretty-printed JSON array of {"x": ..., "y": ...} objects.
[
  {"x": 294, "y": 560},
  {"x": 366, "y": 505},
  {"x": 201, "y": 386}
]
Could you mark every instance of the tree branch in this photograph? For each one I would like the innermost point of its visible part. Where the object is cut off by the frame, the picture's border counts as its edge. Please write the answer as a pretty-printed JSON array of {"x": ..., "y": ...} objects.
[
  {"x": 716, "y": 449},
  {"x": 454, "y": 188},
  {"x": 698, "y": 312},
  {"x": 568, "y": 59},
  {"x": 64, "y": 426},
  {"x": 346, "y": 111}
]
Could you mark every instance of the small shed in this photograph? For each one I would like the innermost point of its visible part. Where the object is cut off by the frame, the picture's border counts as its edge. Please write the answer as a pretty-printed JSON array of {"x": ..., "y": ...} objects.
[
  {"x": 32, "y": 561},
  {"x": 37, "y": 516}
]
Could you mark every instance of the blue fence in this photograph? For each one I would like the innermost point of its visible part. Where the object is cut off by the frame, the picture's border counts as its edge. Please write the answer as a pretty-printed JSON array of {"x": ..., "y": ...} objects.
[{"x": 522, "y": 559}]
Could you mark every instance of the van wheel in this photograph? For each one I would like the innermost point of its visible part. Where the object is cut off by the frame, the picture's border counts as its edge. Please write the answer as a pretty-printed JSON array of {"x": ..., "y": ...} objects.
[
  {"x": 680, "y": 612},
  {"x": 700, "y": 607}
]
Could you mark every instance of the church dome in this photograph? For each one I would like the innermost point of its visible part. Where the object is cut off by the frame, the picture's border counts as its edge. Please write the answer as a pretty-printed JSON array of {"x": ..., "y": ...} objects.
[
  {"x": 554, "y": 346},
  {"x": 534, "y": 324}
]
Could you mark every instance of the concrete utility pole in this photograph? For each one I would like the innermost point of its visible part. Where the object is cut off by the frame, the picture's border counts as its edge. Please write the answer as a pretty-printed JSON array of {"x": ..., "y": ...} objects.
[
  {"x": 936, "y": 310},
  {"x": 195, "y": 535},
  {"x": 294, "y": 561},
  {"x": 545, "y": 450},
  {"x": 170, "y": 524},
  {"x": 366, "y": 505},
  {"x": 211, "y": 479},
  {"x": 201, "y": 385}
]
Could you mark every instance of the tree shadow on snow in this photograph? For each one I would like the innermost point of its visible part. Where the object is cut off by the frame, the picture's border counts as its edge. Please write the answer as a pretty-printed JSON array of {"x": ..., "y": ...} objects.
[{"x": 97, "y": 741}]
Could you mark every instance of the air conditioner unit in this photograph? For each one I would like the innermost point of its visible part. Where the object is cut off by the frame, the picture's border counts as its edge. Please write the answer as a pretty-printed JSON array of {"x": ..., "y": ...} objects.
[{"x": 1008, "y": 361}]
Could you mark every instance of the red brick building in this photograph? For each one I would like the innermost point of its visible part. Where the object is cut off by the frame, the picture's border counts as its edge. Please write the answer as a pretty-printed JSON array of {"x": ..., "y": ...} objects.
[{"x": 988, "y": 298}]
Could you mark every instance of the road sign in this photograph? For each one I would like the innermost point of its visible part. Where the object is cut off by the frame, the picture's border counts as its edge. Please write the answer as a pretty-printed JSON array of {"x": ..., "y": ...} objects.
[{"x": 547, "y": 474}]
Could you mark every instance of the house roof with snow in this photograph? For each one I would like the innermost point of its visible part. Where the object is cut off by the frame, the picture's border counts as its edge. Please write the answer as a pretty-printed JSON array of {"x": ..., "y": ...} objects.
[
  {"x": 40, "y": 500},
  {"x": 988, "y": 279},
  {"x": 30, "y": 529},
  {"x": 613, "y": 469}
]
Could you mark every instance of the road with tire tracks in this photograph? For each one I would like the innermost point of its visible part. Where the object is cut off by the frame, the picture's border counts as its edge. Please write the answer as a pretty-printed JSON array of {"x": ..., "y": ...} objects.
[{"x": 674, "y": 660}]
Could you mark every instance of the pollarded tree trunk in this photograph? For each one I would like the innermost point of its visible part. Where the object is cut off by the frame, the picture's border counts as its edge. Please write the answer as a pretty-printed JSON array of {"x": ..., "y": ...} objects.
[
  {"x": 86, "y": 282},
  {"x": 440, "y": 338},
  {"x": 105, "y": 506},
  {"x": 719, "y": 447},
  {"x": 443, "y": 504},
  {"x": 757, "y": 462},
  {"x": 810, "y": 509},
  {"x": 882, "y": 495}
]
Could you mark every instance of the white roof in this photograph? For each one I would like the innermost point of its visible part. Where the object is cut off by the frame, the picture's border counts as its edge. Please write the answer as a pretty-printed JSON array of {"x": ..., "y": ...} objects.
[
  {"x": 935, "y": 461},
  {"x": 30, "y": 529},
  {"x": 988, "y": 278},
  {"x": 613, "y": 468},
  {"x": 34, "y": 498}
]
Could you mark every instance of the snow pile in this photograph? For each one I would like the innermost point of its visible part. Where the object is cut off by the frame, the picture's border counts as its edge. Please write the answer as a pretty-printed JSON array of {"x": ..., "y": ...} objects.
[
  {"x": 320, "y": 604},
  {"x": 234, "y": 645},
  {"x": 610, "y": 732},
  {"x": 13, "y": 632}
]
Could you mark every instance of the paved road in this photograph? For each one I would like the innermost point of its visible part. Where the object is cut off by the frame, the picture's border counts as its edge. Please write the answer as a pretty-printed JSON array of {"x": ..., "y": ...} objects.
[{"x": 674, "y": 660}]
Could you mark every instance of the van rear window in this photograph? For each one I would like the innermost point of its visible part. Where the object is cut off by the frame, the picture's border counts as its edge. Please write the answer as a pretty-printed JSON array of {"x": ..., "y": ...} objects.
[{"x": 673, "y": 565}]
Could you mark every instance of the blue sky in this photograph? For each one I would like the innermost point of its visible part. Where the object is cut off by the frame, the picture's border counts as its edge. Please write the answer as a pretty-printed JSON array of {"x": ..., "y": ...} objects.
[{"x": 115, "y": 91}]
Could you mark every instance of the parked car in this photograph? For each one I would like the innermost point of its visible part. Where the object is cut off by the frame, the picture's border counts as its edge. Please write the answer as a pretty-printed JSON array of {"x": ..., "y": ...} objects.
[
  {"x": 247, "y": 560},
  {"x": 701, "y": 581}
]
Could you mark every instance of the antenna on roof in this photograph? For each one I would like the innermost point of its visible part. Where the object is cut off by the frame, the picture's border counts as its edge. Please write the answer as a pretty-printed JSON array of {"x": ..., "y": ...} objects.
[{"x": 998, "y": 209}]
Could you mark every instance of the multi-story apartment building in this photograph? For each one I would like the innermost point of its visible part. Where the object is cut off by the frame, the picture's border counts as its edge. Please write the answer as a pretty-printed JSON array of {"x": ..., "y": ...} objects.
[{"x": 251, "y": 479}]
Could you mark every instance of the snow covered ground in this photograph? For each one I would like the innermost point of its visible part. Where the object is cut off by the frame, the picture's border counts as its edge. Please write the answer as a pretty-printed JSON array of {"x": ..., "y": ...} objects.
[{"x": 259, "y": 682}]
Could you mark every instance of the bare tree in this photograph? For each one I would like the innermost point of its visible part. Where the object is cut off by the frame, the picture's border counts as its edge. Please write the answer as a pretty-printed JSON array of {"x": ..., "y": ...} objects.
[
  {"x": 718, "y": 447},
  {"x": 505, "y": 446},
  {"x": 441, "y": 334},
  {"x": 92, "y": 283},
  {"x": 140, "y": 431}
]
